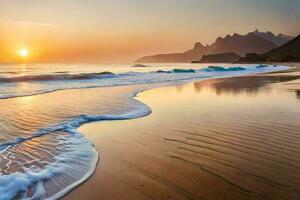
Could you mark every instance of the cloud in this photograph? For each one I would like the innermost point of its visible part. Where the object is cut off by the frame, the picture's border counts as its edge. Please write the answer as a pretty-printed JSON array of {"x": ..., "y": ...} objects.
[
  {"x": 33, "y": 23},
  {"x": 47, "y": 25}
]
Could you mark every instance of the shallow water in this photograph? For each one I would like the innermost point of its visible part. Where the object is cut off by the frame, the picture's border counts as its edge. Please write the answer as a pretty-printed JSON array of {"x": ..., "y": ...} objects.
[
  {"x": 27, "y": 80},
  {"x": 41, "y": 153},
  {"x": 243, "y": 132},
  {"x": 73, "y": 155}
]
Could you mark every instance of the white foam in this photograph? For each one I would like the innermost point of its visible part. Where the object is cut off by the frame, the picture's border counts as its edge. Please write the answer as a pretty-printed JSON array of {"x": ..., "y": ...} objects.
[
  {"x": 19, "y": 182},
  {"x": 78, "y": 147},
  {"x": 130, "y": 78}
]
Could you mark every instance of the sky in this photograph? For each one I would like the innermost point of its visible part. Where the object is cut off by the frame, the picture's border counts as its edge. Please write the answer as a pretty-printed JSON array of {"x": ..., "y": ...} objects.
[{"x": 123, "y": 30}]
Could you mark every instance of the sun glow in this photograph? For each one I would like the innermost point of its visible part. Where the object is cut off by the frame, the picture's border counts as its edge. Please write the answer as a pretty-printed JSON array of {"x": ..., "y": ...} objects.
[{"x": 23, "y": 53}]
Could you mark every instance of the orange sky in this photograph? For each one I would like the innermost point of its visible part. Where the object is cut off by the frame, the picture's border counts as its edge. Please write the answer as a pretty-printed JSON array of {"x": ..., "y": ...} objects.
[
  {"x": 122, "y": 31},
  {"x": 50, "y": 43}
]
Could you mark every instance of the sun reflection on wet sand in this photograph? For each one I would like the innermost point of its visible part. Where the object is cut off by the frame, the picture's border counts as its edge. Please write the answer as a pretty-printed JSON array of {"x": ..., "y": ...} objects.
[{"x": 219, "y": 139}]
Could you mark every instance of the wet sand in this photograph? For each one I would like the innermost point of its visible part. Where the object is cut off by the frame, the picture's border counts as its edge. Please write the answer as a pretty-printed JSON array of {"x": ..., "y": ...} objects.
[{"x": 235, "y": 138}]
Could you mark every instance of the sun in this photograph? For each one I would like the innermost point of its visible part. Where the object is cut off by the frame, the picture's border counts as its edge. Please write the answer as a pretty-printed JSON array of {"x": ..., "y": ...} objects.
[{"x": 23, "y": 53}]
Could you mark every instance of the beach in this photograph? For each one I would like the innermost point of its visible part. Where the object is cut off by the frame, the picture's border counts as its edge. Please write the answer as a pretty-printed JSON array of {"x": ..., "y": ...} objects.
[
  {"x": 45, "y": 154},
  {"x": 228, "y": 138},
  {"x": 146, "y": 100}
]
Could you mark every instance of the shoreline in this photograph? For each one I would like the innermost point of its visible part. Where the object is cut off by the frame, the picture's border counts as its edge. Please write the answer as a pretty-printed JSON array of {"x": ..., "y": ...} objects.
[
  {"x": 65, "y": 114},
  {"x": 79, "y": 186}
]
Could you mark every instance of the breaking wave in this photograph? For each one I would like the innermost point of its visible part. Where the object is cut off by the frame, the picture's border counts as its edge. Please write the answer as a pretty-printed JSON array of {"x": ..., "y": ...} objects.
[
  {"x": 177, "y": 71},
  {"x": 38, "y": 84},
  {"x": 58, "y": 76},
  {"x": 223, "y": 69}
]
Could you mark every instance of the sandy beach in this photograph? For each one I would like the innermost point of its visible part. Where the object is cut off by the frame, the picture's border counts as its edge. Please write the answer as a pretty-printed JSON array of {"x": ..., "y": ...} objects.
[
  {"x": 150, "y": 100},
  {"x": 235, "y": 138}
]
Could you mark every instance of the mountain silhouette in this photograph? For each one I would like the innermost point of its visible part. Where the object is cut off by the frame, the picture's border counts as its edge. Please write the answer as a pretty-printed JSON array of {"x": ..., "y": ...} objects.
[
  {"x": 193, "y": 54},
  {"x": 279, "y": 40},
  {"x": 289, "y": 52},
  {"x": 241, "y": 44},
  {"x": 253, "y": 42}
]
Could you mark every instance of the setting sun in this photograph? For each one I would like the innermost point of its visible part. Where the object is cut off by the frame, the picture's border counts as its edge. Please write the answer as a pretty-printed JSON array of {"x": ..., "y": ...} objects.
[{"x": 23, "y": 53}]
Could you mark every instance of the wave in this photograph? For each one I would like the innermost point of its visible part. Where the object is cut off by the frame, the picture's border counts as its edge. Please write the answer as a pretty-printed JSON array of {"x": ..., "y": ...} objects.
[
  {"x": 262, "y": 66},
  {"x": 64, "y": 75},
  {"x": 177, "y": 71},
  {"x": 58, "y": 76},
  {"x": 208, "y": 69},
  {"x": 31, "y": 180},
  {"x": 47, "y": 83},
  {"x": 76, "y": 123},
  {"x": 223, "y": 69},
  {"x": 140, "y": 66},
  {"x": 9, "y": 72},
  {"x": 20, "y": 183}
]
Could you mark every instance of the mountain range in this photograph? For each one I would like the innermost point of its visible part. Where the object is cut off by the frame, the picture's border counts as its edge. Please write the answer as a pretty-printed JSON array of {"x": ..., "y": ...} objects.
[
  {"x": 288, "y": 52},
  {"x": 253, "y": 42}
]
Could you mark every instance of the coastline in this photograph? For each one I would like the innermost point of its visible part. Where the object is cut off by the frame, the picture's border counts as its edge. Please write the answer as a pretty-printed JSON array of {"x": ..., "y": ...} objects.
[
  {"x": 100, "y": 182},
  {"x": 55, "y": 128}
]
